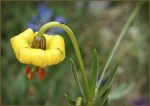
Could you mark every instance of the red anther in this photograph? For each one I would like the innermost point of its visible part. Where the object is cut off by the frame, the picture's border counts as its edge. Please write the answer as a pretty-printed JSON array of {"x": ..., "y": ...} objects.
[
  {"x": 43, "y": 71},
  {"x": 37, "y": 68},
  {"x": 27, "y": 70},
  {"x": 30, "y": 76},
  {"x": 40, "y": 76}
]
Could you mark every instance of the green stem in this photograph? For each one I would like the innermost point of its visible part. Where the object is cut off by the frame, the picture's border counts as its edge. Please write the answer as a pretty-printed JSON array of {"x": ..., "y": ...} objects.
[
  {"x": 121, "y": 35},
  {"x": 75, "y": 45}
]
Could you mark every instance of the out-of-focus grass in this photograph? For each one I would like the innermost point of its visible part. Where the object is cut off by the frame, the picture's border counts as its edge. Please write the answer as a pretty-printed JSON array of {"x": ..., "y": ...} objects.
[{"x": 94, "y": 28}]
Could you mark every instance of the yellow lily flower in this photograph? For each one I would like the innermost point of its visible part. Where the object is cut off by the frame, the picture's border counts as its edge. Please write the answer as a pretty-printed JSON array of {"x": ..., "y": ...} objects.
[{"x": 54, "y": 53}]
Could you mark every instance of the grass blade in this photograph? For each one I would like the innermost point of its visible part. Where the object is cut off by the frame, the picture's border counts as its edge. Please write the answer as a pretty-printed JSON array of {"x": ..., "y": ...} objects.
[
  {"x": 95, "y": 68},
  {"x": 75, "y": 75},
  {"x": 103, "y": 99},
  {"x": 108, "y": 83}
]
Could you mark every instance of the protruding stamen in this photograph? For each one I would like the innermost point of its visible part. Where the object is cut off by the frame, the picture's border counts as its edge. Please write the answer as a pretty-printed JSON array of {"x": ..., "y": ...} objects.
[
  {"x": 42, "y": 74},
  {"x": 30, "y": 75},
  {"x": 27, "y": 70},
  {"x": 43, "y": 71},
  {"x": 37, "y": 69}
]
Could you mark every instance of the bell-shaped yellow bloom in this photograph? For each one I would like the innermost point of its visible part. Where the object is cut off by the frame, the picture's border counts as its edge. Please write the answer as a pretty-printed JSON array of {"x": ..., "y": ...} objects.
[{"x": 54, "y": 53}]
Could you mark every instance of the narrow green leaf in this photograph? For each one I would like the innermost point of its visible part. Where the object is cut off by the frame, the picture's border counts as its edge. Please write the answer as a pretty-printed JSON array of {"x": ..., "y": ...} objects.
[
  {"x": 69, "y": 100},
  {"x": 106, "y": 102},
  {"x": 75, "y": 75},
  {"x": 108, "y": 83},
  {"x": 103, "y": 99},
  {"x": 95, "y": 68}
]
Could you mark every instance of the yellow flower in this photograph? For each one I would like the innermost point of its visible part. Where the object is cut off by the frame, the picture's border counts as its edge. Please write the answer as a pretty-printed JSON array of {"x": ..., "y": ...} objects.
[{"x": 54, "y": 53}]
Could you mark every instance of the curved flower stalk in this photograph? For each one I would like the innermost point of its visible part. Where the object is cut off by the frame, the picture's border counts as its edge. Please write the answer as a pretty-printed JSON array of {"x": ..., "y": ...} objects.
[{"x": 75, "y": 45}]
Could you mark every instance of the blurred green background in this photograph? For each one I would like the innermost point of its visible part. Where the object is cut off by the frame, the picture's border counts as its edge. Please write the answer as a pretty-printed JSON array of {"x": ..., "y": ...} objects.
[{"x": 96, "y": 24}]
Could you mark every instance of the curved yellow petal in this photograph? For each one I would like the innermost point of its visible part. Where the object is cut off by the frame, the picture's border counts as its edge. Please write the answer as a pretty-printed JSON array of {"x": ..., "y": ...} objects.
[
  {"x": 25, "y": 55},
  {"x": 32, "y": 56},
  {"x": 37, "y": 57},
  {"x": 28, "y": 35},
  {"x": 52, "y": 57},
  {"x": 57, "y": 42},
  {"x": 18, "y": 43}
]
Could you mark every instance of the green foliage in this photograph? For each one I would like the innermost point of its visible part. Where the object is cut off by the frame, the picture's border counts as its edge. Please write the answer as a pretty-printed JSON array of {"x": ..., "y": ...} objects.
[
  {"x": 76, "y": 78},
  {"x": 108, "y": 83},
  {"x": 94, "y": 73},
  {"x": 103, "y": 100}
]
